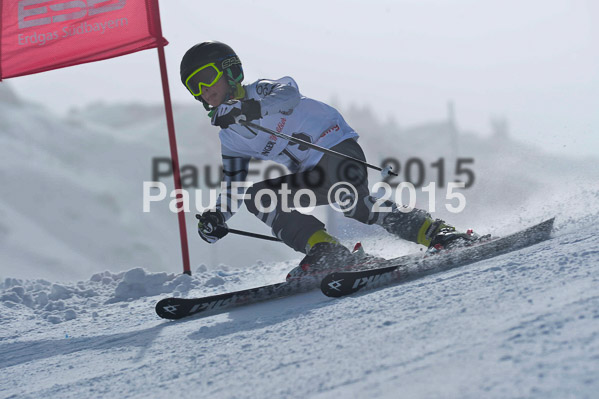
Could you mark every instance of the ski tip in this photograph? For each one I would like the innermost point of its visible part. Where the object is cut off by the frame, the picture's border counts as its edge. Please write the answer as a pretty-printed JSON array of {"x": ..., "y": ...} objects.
[
  {"x": 546, "y": 227},
  {"x": 331, "y": 286},
  {"x": 166, "y": 309}
]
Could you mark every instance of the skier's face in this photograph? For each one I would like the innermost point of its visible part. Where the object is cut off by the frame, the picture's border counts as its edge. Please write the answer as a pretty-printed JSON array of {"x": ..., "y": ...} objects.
[{"x": 216, "y": 94}]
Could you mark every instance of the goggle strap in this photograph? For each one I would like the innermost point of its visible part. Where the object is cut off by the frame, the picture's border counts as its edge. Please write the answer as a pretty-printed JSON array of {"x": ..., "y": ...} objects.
[{"x": 239, "y": 92}]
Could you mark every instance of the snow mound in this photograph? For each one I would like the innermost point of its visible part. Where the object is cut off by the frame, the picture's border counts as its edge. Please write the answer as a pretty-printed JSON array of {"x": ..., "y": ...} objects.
[
  {"x": 52, "y": 302},
  {"x": 137, "y": 283}
]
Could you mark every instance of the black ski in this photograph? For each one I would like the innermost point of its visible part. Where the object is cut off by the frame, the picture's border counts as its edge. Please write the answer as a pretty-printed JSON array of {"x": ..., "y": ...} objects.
[
  {"x": 176, "y": 308},
  {"x": 342, "y": 283}
]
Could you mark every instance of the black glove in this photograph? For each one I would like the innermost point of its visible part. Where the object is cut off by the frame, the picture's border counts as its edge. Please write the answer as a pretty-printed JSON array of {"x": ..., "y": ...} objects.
[
  {"x": 212, "y": 226},
  {"x": 234, "y": 111}
]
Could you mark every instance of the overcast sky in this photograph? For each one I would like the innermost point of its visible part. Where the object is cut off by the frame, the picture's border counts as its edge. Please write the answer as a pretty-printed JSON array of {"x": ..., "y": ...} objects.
[{"x": 536, "y": 62}]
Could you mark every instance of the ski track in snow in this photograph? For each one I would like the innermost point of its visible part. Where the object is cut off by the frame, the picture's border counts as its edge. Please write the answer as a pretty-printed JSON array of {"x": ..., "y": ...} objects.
[{"x": 524, "y": 324}]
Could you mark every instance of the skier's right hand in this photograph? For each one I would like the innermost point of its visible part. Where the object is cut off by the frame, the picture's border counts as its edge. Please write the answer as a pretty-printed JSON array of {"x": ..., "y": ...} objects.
[
  {"x": 234, "y": 111},
  {"x": 212, "y": 226}
]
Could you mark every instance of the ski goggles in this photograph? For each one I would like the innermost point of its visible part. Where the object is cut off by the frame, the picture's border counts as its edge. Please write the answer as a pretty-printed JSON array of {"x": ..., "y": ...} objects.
[{"x": 207, "y": 76}]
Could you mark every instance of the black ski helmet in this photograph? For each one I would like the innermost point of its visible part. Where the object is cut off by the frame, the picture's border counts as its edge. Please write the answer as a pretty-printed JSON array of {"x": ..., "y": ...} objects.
[{"x": 212, "y": 51}]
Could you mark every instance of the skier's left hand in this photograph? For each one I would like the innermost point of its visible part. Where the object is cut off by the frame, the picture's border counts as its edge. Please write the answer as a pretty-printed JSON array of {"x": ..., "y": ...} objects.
[
  {"x": 234, "y": 111},
  {"x": 212, "y": 226}
]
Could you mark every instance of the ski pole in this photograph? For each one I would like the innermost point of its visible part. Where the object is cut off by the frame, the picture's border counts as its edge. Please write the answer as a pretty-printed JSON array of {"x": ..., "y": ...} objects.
[
  {"x": 248, "y": 234},
  {"x": 384, "y": 171}
]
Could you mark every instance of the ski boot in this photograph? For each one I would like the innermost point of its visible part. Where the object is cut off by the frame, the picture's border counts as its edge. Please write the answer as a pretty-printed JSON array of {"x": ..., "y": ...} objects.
[
  {"x": 446, "y": 237},
  {"x": 323, "y": 253},
  {"x": 322, "y": 258}
]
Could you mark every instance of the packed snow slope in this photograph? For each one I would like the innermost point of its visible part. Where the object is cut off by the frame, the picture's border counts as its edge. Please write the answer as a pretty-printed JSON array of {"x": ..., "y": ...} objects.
[{"x": 524, "y": 324}]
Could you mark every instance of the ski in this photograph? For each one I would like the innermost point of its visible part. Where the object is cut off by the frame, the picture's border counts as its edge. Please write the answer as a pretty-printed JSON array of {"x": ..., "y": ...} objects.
[
  {"x": 372, "y": 273},
  {"x": 393, "y": 271},
  {"x": 296, "y": 283},
  {"x": 177, "y": 308}
]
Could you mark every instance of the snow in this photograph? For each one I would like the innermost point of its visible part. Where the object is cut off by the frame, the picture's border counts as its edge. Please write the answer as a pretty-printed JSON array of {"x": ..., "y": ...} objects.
[
  {"x": 82, "y": 269},
  {"x": 524, "y": 324}
]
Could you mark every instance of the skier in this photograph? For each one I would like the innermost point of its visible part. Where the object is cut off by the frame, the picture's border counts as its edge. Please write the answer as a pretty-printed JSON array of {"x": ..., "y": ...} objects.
[{"x": 212, "y": 73}]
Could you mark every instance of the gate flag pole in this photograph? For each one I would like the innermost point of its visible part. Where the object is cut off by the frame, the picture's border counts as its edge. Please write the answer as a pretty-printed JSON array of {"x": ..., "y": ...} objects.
[
  {"x": 174, "y": 154},
  {"x": 134, "y": 25}
]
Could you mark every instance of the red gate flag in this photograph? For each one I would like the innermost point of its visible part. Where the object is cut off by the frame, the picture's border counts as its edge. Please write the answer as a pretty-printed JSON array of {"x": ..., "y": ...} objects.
[{"x": 40, "y": 35}]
